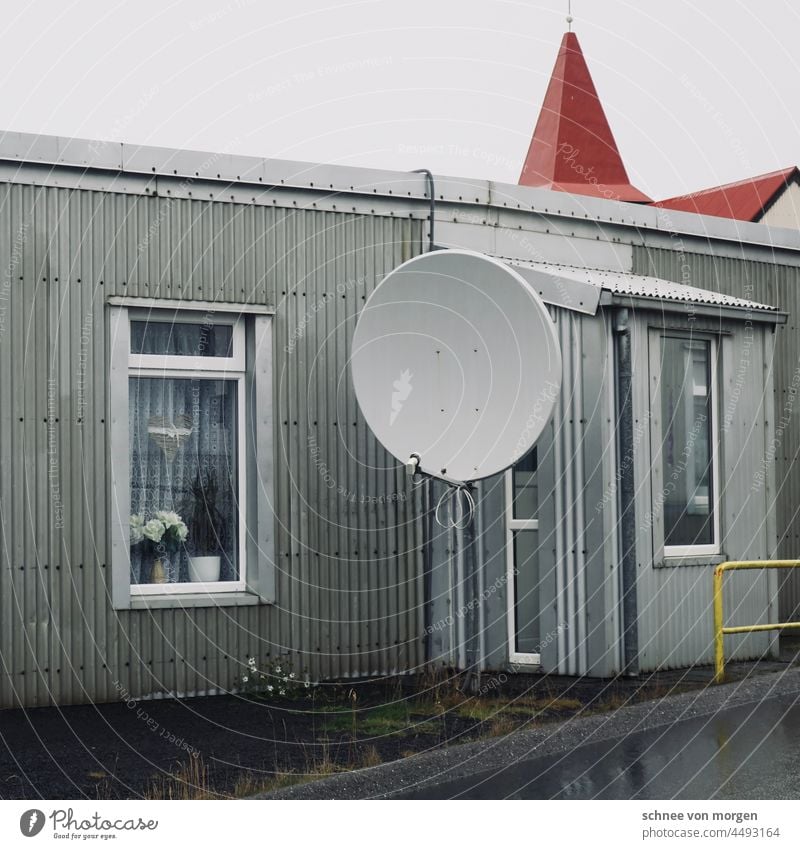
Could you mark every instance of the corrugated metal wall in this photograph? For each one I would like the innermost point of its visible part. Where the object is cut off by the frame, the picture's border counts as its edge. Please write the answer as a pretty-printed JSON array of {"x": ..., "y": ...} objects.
[
  {"x": 577, "y": 538},
  {"x": 349, "y": 593},
  {"x": 577, "y": 554},
  {"x": 675, "y": 614},
  {"x": 778, "y": 285}
]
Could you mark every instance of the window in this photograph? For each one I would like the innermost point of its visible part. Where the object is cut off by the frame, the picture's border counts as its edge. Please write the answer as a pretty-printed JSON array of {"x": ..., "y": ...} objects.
[
  {"x": 686, "y": 407},
  {"x": 186, "y": 411},
  {"x": 190, "y": 401},
  {"x": 522, "y": 551}
]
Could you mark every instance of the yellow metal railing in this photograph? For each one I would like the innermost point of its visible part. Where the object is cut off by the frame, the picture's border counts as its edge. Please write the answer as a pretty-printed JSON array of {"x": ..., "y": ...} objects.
[{"x": 720, "y": 629}]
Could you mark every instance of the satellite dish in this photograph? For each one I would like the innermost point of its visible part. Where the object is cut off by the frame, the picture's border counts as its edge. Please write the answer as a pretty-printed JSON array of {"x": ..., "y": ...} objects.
[{"x": 455, "y": 359}]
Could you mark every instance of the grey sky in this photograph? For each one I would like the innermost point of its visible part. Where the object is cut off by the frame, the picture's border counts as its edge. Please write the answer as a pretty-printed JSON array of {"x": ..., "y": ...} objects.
[{"x": 697, "y": 93}]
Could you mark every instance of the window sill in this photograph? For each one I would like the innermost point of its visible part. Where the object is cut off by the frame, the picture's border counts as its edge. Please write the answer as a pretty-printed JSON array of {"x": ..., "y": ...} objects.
[
  {"x": 240, "y": 599},
  {"x": 692, "y": 560}
]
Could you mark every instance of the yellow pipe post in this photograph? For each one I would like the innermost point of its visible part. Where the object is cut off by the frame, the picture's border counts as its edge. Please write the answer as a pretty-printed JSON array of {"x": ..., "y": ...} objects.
[
  {"x": 719, "y": 628},
  {"x": 719, "y": 645}
]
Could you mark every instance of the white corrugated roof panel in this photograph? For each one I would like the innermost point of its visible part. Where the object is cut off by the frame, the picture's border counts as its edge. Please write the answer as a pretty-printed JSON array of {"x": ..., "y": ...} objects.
[{"x": 546, "y": 278}]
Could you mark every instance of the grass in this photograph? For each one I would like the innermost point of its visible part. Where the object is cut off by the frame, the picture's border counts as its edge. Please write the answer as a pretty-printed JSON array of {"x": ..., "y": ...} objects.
[
  {"x": 485, "y": 710},
  {"x": 501, "y": 725},
  {"x": 438, "y": 708},
  {"x": 556, "y": 703},
  {"x": 191, "y": 780},
  {"x": 378, "y": 721}
]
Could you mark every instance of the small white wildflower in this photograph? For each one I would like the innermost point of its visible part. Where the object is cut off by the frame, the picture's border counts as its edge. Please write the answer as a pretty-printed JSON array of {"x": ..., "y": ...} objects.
[
  {"x": 291, "y": 674},
  {"x": 308, "y": 684},
  {"x": 282, "y": 691},
  {"x": 270, "y": 688},
  {"x": 277, "y": 670},
  {"x": 251, "y": 663},
  {"x": 285, "y": 680},
  {"x": 244, "y": 679}
]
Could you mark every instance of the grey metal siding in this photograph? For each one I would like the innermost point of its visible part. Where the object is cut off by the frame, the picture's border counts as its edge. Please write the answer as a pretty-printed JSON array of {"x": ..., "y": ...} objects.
[
  {"x": 578, "y": 569},
  {"x": 579, "y": 566},
  {"x": 779, "y": 285},
  {"x": 348, "y": 554},
  {"x": 675, "y": 601}
]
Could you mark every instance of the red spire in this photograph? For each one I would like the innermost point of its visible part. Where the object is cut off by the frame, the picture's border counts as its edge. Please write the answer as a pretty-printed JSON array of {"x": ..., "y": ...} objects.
[{"x": 573, "y": 148}]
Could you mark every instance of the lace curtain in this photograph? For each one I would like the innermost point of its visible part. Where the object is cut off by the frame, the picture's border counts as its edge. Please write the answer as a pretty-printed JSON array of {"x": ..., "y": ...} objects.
[{"x": 182, "y": 428}]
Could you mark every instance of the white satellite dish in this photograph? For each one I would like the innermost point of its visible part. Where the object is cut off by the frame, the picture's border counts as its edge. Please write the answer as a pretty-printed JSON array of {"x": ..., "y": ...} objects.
[{"x": 455, "y": 359}]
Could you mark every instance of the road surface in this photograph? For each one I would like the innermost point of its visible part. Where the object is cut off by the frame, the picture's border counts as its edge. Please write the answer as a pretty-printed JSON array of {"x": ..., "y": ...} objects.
[{"x": 747, "y": 752}]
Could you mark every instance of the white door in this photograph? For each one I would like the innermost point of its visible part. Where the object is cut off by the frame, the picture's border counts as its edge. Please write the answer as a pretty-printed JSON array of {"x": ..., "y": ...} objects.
[{"x": 522, "y": 558}]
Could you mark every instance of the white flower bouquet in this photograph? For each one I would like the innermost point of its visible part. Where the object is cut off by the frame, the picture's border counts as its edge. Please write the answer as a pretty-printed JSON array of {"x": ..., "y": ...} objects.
[{"x": 166, "y": 529}]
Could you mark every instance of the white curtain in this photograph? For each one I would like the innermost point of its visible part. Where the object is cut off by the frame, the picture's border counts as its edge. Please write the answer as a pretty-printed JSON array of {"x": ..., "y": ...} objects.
[{"x": 180, "y": 428}]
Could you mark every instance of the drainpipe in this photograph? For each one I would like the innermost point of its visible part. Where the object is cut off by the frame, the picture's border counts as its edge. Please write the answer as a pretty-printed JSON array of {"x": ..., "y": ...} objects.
[
  {"x": 432, "y": 198},
  {"x": 428, "y": 509},
  {"x": 427, "y": 565},
  {"x": 627, "y": 511}
]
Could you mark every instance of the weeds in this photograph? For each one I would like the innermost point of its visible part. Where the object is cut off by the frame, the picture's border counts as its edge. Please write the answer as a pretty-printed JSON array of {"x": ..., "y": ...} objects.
[
  {"x": 348, "y": 727},
  {"x": 189, "y": 781}
]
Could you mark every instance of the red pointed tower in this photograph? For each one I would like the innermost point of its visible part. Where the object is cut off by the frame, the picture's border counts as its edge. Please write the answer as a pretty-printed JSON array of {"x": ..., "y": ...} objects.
[{"x": 573, "y": 148}]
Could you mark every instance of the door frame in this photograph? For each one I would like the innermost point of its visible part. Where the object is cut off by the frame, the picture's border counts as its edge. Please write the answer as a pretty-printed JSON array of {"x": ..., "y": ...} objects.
[{"x": 512, "y": 525}]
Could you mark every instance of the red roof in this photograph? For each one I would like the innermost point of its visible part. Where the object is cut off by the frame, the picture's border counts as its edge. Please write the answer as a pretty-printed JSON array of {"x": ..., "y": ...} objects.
[
  {"x": 573, "y": 148},
  {"x": 746, "y": 200}
]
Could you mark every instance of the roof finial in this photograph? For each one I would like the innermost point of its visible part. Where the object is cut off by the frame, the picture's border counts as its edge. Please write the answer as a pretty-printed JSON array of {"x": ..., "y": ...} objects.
[{"x": 569, "y": 15}]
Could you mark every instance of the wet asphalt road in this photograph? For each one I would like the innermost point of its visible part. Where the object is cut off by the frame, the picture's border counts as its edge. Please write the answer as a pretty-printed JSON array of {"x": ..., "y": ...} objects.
[{"x": 747, "y": 752}]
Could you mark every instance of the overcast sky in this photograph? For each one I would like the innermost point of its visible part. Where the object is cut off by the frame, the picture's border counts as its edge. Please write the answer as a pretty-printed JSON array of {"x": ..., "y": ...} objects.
[{"x": 697, "y": 93}]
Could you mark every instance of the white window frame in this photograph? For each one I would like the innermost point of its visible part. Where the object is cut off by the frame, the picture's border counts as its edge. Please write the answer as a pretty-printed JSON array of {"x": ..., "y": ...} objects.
[
  {"x": 512, "y": 525},
  {"x": 201, "y": 368},
  {"x": 656, "y": 373},
  {"x": 235, "y": 363}
]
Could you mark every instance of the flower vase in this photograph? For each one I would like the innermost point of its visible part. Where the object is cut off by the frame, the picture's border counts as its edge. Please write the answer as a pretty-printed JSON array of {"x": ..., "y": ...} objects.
[{"x": 158, "y": 574}]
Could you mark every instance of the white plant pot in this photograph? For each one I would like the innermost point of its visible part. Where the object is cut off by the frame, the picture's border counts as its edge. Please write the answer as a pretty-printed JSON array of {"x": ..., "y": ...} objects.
[{"x": 204, "y": 570}]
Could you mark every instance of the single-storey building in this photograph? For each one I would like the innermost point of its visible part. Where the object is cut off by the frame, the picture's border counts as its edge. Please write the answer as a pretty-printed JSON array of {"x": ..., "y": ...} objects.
[{"x": 174, "y": 339}]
